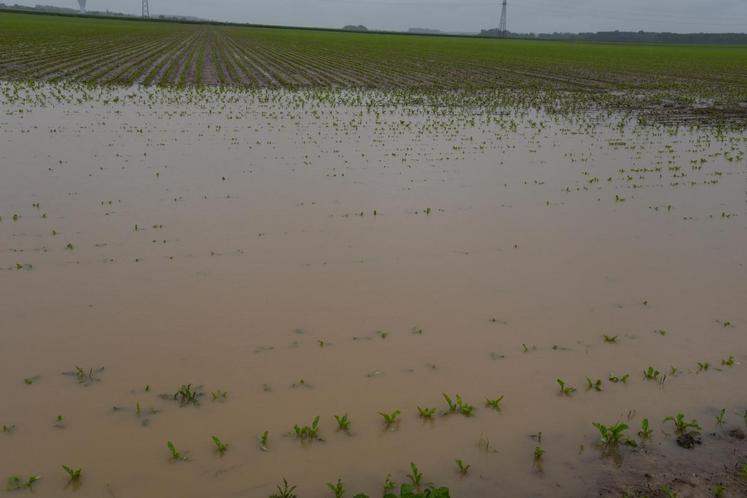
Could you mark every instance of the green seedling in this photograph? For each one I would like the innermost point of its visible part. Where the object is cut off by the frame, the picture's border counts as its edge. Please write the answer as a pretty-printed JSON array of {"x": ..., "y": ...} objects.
[
  {"x": 495, "y": 404},
  {"x": 263, "y": 439},
  {"x": 343, "y": 422},
  {"x": 721, "y": 417},
  {"x": 186, "y": 395},
  {"x": 565, "y": 390},
  {"x": 729, "y": 362},
  {"x": 338, "y": 489},
  {"x": 610, "y": 339},
  {"x": 59, "y": 422},
  {"x": 595, "y": 385},
  {"x": 651, "y": 374},
  {"x": 15, "y": 483},
  {"x": 415, "y": 476},
  {"x": 611, "y": 435},
  {"x": 459, "y": 406},
  {"x": 645, "y": 431},
  {"x": 539, "y": 453},
  {"x": 703, "y": 366},
  {"x": 220, "y": 446},
  {"x": 383, "y": 334},
  {"x": 743, "y": 471},
  {"x": 389, "y": 484},
  {"x": 390, "y": 418},
  {"x": 462, "y": 468},
  {"x": 615, "y": 379},
  {"x": 308, "y": 432},
  {"x": 452, "y": 405},
  {"x": 219, "y": 395},
  {"x": 285, "y": 491},
  {"x": 31, "y": 380},
  {"x": 681, "y": 425},
  {"x": 175, "y": 454},
  {"x": 9, "y": 429},
  {"x": 426, "y": 413},
  {"x": 73, "y": 473},
  {"x": 85, "y": 377},
  {"x": 718, "y": 491}
]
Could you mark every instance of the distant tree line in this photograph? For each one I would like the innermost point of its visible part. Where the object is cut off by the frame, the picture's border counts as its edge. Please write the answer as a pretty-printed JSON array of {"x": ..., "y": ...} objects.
[{"x": 633, "y": 36}]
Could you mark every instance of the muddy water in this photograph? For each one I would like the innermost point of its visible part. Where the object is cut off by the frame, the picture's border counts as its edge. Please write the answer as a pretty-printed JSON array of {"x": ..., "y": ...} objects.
[{"x": 217, "y": 242}]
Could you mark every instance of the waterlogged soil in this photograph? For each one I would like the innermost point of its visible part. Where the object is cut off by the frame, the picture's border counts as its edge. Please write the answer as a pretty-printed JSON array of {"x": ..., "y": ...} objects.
[{"x": 319, "y": 255}]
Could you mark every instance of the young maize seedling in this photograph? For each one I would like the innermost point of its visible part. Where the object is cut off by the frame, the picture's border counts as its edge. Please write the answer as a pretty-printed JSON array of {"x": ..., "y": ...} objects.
[
  {"x": 681, "y": 425},
  {"x": 73, "y": 473},
  {"x": 452, "y": 405},
  {"x": 565, "y": 389},
  {"x": 186, "y": 395},
  {"x": 306, "y": 432},
  {"x": 84, "y": 377},
  {"x": 219, "y": 395},
  {"x": 59, "y": 422},
  {"x": 263, "y": 441},
  {"x": 220, "y": 446},
  {"x": 611, "y": 435},
  {"x": 495, "y": 404},
  {"x": 343, "y": 422},
  {"x": 610, "y": 339},
  {"x": 651, "y": 373},
  {"x": 338, "y": 489},
  {"x": 390, "y": 418},
  {"x": 645, "y": 431},
  {"x": 426, "y": 413},
  {"x": 31, "y": 380},
  {"x": 729, "y": 362},
  {"x": 459, "y": 406},
  {"x": 415, "y": 476},
  {"x": 703, "y": 366},
  {"x": 9, "y": 429},
  {"x": 462, "y": 467},
  {"x": 596, "y": 385},
  {"x": 285, "y": 491},
  {"x": 15, "y": 483},
  {"x": 389, "y": 485},
  {"x": 720, "y": 418},
  {"x": 615, "y": 379},
  {"x": 538, "y": 454},
  {"x": 175, "y": 454}
]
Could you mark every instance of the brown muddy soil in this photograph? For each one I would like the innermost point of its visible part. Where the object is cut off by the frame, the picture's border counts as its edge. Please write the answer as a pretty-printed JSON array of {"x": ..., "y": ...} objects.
[{"x": 662, "y": 470}]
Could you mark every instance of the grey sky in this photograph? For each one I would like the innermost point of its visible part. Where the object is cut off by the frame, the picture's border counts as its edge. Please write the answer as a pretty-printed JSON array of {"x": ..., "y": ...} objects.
[{"x": 456, "y": 15}]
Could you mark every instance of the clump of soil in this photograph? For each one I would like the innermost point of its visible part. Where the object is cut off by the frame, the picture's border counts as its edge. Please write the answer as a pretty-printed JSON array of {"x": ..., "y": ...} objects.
[{"x": 713, "y": 465}]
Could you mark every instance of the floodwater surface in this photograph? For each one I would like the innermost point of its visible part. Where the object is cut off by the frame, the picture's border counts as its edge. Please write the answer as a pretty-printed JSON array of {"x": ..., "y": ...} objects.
[{"x": 312, "y": 257}]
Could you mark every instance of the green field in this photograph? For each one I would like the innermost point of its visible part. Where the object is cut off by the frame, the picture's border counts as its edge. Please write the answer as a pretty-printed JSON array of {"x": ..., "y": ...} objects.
[{"x": 36, "y": 47}]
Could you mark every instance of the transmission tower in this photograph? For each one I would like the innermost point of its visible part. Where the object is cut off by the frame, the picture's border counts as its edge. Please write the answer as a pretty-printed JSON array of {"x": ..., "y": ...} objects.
[
  {"x": 82, "y": 4},
  {"x": 146, "y": 11},
  {"x": 502, "y": 29}
]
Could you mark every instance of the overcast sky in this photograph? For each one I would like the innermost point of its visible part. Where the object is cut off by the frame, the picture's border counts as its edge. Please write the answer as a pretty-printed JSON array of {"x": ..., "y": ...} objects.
[{"x": 455, "y": 15}]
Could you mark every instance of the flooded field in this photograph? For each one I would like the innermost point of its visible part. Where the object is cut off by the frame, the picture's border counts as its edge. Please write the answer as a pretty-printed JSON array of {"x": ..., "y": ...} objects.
[{"x": 294, "y": 254}]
